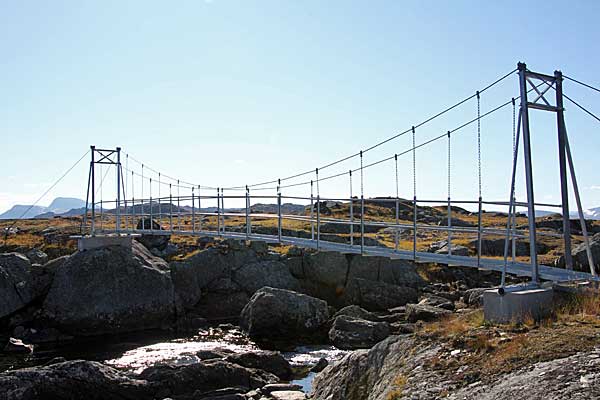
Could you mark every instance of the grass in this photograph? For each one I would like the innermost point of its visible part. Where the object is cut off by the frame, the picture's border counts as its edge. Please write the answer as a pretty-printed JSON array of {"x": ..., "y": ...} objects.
[{"x": 397, "y": 387}]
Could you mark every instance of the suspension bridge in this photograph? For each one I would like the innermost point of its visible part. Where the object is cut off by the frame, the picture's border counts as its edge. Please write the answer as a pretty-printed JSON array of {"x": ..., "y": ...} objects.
[{"x": 160, "y": 208}]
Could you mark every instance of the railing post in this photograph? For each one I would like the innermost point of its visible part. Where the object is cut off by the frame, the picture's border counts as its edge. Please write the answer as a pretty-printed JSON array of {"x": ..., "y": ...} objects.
[
  {"x": 362, "y": 224},
  {"x": 193, "y": 212},
  {"x": 279, "y": 220},
  {"x": 93, "y": 171},
  {"x": 159, "y": 201},
  {"x": 248, "y": 227},
  {"x": 351, "y": 212},
  {"x": 318, "y": 222},
  {"x": 312, "y": 212},
  {"x": 170, "y": 207},
  {"x": 218, "y": 212},
  {"x": 199, "y": 211},
  {"x": 151, "y": 211}
]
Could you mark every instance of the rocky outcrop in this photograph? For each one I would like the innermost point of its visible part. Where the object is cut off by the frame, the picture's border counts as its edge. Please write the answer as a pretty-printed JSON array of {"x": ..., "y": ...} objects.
[
  {"x": 278, "y": 314},
  {"x": 110, "y": 289},
  {"x": 157, "y": 242},
  {"x": 344, "y": 279},
  {"x": 81, "y": 379},
  {"x": 270, "y": 361},
  {"x": 37, "y": 256},
  {"x": 16, "y": 283},
  {"x": 72, "y": 380},
  {"x": 579, "y": 254},
  {"x": 212, "y": 375},
  {"x": 574, "y": 377},
  {"x": 350, "y": 333},
  {"x": 219, "y": 281},
  {"x": 425, "y": 312},
  {"x": 363, "y": 374}
]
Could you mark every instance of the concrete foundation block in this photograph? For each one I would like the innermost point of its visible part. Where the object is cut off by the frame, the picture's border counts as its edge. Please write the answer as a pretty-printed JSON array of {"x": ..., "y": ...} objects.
[
  {"x": 517, "y": 304},
  {"x": 94, "y": 242}
]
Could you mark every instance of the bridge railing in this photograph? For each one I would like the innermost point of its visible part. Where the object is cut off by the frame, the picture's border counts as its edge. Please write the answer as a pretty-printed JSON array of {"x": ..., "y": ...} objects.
[{"x": 395, "y": 223}]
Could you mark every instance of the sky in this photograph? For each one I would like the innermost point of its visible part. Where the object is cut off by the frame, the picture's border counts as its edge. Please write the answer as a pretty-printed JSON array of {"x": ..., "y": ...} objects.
[{"x": 228, "y": 93}]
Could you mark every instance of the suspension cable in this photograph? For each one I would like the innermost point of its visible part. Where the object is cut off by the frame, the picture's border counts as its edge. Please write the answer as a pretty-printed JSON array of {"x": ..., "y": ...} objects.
[
  {"x": 582, "y": 108},
  {"x": 581, "y": 83},
  {"x": 426, "y": 121},
  {"x": 7, "y": 230}
]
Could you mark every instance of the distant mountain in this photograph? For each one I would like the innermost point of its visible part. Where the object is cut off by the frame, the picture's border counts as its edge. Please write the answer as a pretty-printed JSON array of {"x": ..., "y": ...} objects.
[
  {"x": 18, "y": 210},
  {"x": 592, "y": 213},
  {"x": 59, "y": 206}
]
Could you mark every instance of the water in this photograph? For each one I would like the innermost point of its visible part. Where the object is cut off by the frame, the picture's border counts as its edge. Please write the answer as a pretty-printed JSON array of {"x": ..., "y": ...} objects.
[{"x": 135, "y": 352}]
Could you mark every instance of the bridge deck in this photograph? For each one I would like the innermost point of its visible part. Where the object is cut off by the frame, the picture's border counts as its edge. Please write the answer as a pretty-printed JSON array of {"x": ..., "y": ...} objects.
[{"x": 492, "y": 264}]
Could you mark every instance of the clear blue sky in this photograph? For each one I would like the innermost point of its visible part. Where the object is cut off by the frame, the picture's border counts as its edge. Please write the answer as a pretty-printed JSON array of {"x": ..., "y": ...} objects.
[{"x": 231, "y": 92}]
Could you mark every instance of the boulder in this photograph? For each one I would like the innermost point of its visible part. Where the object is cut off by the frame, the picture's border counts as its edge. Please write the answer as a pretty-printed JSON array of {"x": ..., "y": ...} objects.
[
  {"x": 110, "y": 289},
  {"x": 437, "y": 301},
  {"x": 72, "y": 380},
  {"x": 200, "y": 270},
  {"x": 253, "y": 276},
  {"x": 355, "y": 311},
  {"x": 204, "y": 377},
  {"x": 495, "y": 247},
  {"x": 441, "y": 247},
  {"x": 377, "y": 296},
  {"x": 350, "y": 333},
  {"x": 474, "y": 296},
  {"x": 579, "y": 254},
  {"x": 37, "y": 256},
  {"x": 158, "y": 242},
  {"x": 424, "y": 312},
  {"x": 17, "y": 346},
  {"x": 16, "y": 284},
  {"x": 270, "y": 361},
  {"x": 283, "y": 314}
]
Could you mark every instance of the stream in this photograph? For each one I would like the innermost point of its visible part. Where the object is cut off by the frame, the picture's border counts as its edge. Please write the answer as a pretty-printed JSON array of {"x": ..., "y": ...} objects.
[{"x": 136, "y": 351}]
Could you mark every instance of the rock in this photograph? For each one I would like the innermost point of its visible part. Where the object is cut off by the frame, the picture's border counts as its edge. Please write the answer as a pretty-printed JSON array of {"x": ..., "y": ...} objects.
[
  {"x": 259, "y": 247},
  {"x": 320, "y": 365},
  {"x": 579, "y": 254},
  {"x": 203, "y": 269},
  {"x": 43, "y": 275},
  {"x": 17, "y": 346},
  {"x": 253, "y": 276},
  {"x": 355, "y": 311},
  {"x": 72, "y": 380},
  {"x": 375, "y": 296},
  {"x": 288, "y": 395},
  {"x": 278, "y": 387},
  {"x": 16, "y": 286},
  {"x": 37, "y": 256},
  {"x": 423, "y": 312},
  {"x": 270, "y": 361},
  {"x": 350, "y": 333},
  {"x": 371, "y": 372},
  {"x": 205, "y": 376},
  {"x": 110, "y": 289},
  {"x": 437, "y": 301},
  {"x": 474, "y": 297},
  {"x": 278, "y": 313},
  {"x": 441, "y": 247},
  {"x": 158, "y": 242},
  {"x": 573, "y": 377},
  {"x": 495, "y": 247}
]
